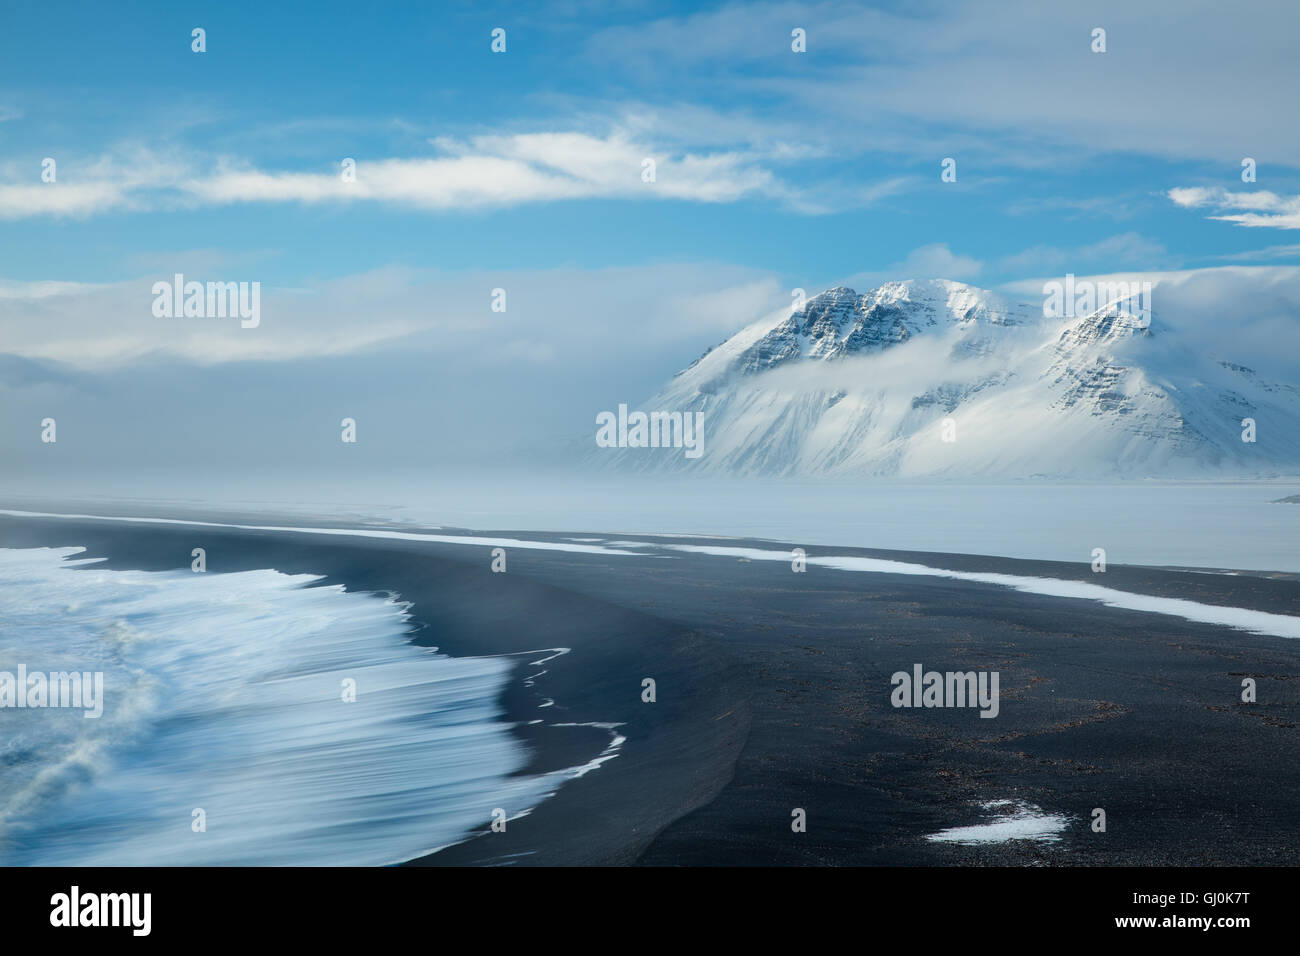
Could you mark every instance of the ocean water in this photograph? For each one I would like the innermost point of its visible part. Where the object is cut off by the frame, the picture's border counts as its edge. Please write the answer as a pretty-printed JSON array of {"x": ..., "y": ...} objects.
[
  {"x": 1239, "y": 524},
  {"x": 1259, "y": 622},
  {"x": 224, "y": 692}
]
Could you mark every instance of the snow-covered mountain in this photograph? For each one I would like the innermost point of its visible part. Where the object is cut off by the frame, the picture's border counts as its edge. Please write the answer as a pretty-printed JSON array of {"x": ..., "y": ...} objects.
[{"x": 874, "y": 384}]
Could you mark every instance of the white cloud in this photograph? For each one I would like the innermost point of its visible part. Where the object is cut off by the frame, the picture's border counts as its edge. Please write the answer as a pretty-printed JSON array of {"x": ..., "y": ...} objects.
[
  {"x": 1255, "y": 208},
  {"x": 934, "y": 261},
  {"x": 1239, "y": 313},
  {"x": 60, "y": 199},
  {"x": 484, "y": 171},
  {"x": 1180, "y": 78},
  {"x": 564, "y": 317},
  {"x": 938, "y": 260},
  {"x": 121, "y": 180}
]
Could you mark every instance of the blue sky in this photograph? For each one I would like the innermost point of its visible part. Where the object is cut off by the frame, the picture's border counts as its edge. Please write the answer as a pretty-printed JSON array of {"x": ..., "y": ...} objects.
[
  {"x": 822, "y": 178},
  {"x": 522, "y": 170}
]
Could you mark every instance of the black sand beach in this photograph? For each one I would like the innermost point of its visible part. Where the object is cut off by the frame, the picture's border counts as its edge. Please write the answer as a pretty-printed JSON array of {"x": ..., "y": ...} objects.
[{"x": 773, "y": 694}]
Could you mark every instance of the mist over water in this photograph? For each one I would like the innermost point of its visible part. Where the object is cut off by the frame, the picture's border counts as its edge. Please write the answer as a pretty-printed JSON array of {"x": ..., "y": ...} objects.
[{"x": 1204, "y": 524}]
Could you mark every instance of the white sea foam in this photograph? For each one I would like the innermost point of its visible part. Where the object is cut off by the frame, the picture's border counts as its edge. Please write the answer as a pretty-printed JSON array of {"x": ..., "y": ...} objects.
[
  {"x": 486, "y": 541},
  {"x": 223, "y": 692},
  {"x": 1258, "y": 622}
]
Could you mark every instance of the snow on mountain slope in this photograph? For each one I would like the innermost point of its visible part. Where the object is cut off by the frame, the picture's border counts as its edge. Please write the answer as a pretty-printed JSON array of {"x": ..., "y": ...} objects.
[{"x": 863, "y": 385}]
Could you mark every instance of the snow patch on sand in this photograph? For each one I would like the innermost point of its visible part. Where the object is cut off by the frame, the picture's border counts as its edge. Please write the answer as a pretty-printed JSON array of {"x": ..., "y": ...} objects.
[{"x": 1014, "y": 821}]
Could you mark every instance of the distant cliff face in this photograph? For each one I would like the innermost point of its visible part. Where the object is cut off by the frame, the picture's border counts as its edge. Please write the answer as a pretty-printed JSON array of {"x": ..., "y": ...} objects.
[{"x": 939, "y": 378}]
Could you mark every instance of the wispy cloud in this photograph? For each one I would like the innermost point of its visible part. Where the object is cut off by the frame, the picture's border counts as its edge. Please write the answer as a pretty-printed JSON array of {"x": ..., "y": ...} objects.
[
  {"x": 483, "y": 171},
  {"x": 1257, "y": 208},
  {"x": 1116, "y": 207},
  {"x": 63, "y": 199},
  {"x": 933, "y": 261},
  {"x": 508, "y": 170},
  {"x": 1127, "y": 249},
  {"x": 133, "y": 178},
  {"x": 1288, "y": 251},
  {"x": 670, "y": 309},
  {"x": 1206, "y": 83}
]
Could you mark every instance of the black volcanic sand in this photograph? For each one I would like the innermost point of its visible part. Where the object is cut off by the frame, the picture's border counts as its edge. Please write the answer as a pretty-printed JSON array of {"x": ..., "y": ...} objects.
[{"x": 773, "y": 694}]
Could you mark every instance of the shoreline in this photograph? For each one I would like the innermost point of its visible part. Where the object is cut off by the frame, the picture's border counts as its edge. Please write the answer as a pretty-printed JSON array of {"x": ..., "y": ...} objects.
[
  {"x": 1171, "y": 581},
  {"x": 1200, "y": 524},
  {"x": 773, "y": 694},
  {"x": 459, "y": 606}
]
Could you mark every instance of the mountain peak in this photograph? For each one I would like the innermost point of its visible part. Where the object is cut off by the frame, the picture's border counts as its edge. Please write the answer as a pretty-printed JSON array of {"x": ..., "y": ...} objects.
[
  {"x": 839, "y": 322},
  {"x": 1048, "y": 397},
  {"x": 1107, "y": 325}
]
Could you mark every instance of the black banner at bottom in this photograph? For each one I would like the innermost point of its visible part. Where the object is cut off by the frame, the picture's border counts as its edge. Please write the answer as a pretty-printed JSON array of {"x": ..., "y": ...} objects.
[{"x": 335, "y": 905}]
